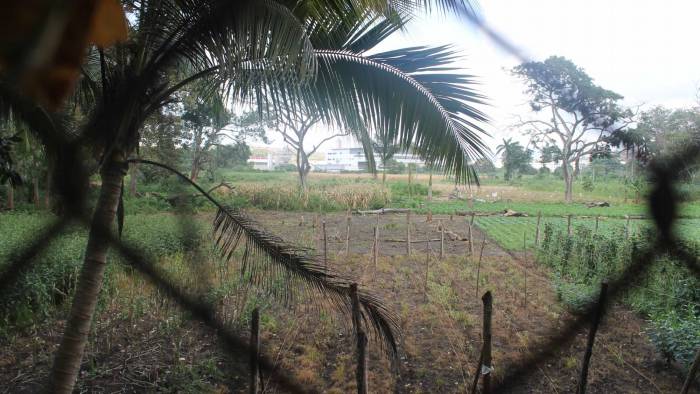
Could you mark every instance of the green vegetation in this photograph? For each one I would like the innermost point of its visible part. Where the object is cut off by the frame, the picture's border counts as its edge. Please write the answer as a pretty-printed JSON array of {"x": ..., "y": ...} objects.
[{"x": 668, "y": 295}]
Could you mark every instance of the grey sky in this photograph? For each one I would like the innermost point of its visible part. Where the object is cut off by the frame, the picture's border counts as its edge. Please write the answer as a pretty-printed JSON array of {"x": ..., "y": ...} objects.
[{"x": 643, "y": 50}]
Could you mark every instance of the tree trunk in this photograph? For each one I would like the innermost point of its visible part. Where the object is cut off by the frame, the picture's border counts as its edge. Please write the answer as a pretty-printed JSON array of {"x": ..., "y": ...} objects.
[
  {"x": 69, "y": 355},
  {"x": 384, "y": 176},
  {"x": 194, "y": 172},
  {"x": 47, "y": 196},
  {"x": 132, "y": 179},
  {"x": 10, "y": 196},
  {"x": 35, "y": 192},
  {"x": 568, "y": 183}
]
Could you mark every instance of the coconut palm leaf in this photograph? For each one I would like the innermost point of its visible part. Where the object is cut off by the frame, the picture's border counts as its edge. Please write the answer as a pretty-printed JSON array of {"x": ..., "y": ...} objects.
[
  {"x": 267, "y": 257},
  {"x": 429, "y": 108}
]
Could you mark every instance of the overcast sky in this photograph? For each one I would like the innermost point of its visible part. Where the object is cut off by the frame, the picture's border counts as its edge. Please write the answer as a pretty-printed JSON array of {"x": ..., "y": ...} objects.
[{"x": 646, "y": 51}]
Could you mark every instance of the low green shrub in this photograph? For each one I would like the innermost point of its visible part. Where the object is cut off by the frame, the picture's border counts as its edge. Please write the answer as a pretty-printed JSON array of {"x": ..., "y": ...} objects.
[{"x": 667, "y": 295}]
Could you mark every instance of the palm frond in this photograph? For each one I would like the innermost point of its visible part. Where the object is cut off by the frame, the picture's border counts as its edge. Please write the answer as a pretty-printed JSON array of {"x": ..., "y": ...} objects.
[
  {"x": 413, "y": 96},
  {"x": 266, "y": 257}
]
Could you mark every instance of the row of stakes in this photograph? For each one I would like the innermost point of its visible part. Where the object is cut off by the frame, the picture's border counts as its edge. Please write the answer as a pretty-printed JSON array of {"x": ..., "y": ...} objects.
[{"x": 483, "y": 370}]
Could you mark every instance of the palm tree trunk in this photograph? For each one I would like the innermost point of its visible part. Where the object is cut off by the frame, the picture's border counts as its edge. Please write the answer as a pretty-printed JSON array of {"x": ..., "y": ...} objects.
[{"x": 69, "y": 356}]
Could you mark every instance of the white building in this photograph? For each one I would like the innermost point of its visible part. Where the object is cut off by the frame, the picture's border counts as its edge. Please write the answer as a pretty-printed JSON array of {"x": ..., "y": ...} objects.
[{"x": 353, "y": 159}]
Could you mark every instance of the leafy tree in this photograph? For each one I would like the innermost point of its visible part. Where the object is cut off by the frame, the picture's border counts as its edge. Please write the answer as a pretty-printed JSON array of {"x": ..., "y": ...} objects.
[
  {"x": 659, "y": 132},
  {"x": 245, "y": 47},
  {"x": 577, "y": 113},
  {"x": 386, "y": 149},
  {"x": 516, "y": 159}
]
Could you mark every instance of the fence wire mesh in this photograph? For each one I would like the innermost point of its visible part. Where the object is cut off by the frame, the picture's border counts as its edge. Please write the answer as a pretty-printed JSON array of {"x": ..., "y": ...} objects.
[{"x": 663, "y": 204}]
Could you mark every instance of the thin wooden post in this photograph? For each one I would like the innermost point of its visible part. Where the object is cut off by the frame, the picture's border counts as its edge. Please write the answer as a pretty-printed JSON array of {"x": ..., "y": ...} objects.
[
  {"x": 347, "y": 238},
  {"x": 581, "y": 388},
  {"x": 597, "y": 218},
  {"x": 568, "y": 225},
  {"x": 325, "y": 245},
  {"x": 408, "y": 233},
  {"x": 255, "y": 351},
  {"x": 478, "y": 265},
  {"x": 410, "y": 192},
  {"x": 691, "y": 374},
  {"x": 524, "y": 241},
  {"x": 429, "y": 218},
  {"x": 376, "y": 248},
  {"x": 430, "y": 185},
  {"x": 537, "y": 230},
  {"x": 471, "y": 239},
  {"x": 442, "y": 240},
  {"x": 361, "y": 372},
  {"x": 486, "y": 368},
  {"x": 427, "y": 266}
]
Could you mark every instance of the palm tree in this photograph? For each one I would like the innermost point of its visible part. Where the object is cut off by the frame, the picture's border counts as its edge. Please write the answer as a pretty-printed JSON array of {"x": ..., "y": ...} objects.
[{"x": 254, "y": 50}]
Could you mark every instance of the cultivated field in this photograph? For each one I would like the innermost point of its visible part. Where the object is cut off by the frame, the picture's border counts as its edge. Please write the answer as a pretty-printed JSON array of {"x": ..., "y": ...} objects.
[{"x": 142, "y": 342}]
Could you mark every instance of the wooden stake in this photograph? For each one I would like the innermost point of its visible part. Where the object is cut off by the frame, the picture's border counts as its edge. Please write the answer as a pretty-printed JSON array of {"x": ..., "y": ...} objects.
[
  {"x": 429, "y": 219},
  {"x": 537, "y": 230},
  {"x": 408, "y": 233},
  {"x": 568, "y": 225},
  {"x": 430, "y": 185},
  {"x": 410, "y": 192},
  {"x": 597, "y": 218},
  {"x": 483, "y": 368},
  {"x": 427, "y": 266},
  {"x": 471, "y": 239},
  {"x": 325, "y": 245},
  {"x": 376, "y": 248},
  {"x": 524, "y": 241},
  {"x": 254, "y": 352},
  {"x": 361, "y": 373},
  {"x": 442, "y": 240},
  {"x": 581, "y": 388},
  {"x": 691, "y": 374},
  {"x": 486, "y": 363},
  {"x": 478, "y": 265},
  {"x": 347, "y": 238}
]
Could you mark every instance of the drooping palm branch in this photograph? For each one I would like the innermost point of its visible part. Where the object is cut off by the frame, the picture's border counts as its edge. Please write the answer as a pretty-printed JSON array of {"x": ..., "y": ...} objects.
[{"x": 266, "y": 257}]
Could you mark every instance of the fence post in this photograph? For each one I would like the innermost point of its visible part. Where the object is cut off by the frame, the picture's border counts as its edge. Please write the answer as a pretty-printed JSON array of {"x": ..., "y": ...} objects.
[
  {"x": 427, "y": 266},
  {"x": 347, "y": 238},
  {"x": 325, "y": 245},
  {"x": 537, "y": 230},
  {"x": 471, "y": 239},
  {"x": 691, "y": 374},
  {"x": 524, "y": 242},
  {"x": 429, "y": 218},
  {"x": 568, "y": 225},
  {"x": 597, "y": 218},
  {"x": 361, "y": 373},
  {"x": 485, "y": 368},
  {"x": 254, "y": 352},
  {"x": 581, "y": 388},
  {"x": 408, "y": 233},
  {"x": 376, "y": 247},
  {"x": 478, "y": 265},
  {"x": 442, "y": 240}
]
